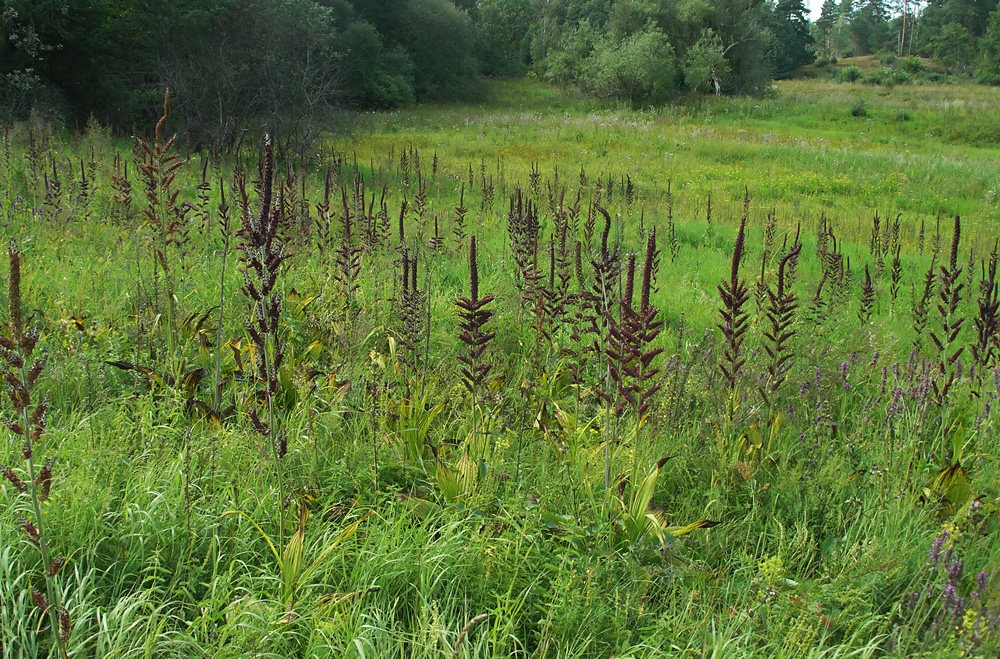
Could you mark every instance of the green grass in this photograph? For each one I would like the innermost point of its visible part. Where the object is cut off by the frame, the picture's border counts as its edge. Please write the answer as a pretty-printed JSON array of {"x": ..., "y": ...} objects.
[
  {"x": 824, "y": 531},
  {"x": 800, "y": 151}
]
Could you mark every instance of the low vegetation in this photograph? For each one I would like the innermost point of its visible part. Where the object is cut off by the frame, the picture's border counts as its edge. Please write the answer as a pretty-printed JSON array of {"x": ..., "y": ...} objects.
[{"x": 537, "y": 377}]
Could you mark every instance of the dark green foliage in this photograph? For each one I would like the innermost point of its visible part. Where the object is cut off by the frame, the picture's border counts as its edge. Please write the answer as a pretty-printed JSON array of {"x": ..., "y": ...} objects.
[
  {"x": 825, "y": 29},
  {"x": 282, "y": 66},
  {"x": 436, "y": 36},
  {"x": 705, "y": 66},
  {"x": 639, "y": 69},
  {"x": 889, "y": 78},
  {"x": 953, "y": 47},
  {"x": 849, "y": 74},
  {"x": 792, "y": 45},
  {"x": 375, "y": 77},
  {"x": 278, "y": 69},
  {"x": 503, "y": 29},
  {"x": 75, "y": 59},
  {"x": 988, "y": 71},
  {"x": 869, "y": 29}
]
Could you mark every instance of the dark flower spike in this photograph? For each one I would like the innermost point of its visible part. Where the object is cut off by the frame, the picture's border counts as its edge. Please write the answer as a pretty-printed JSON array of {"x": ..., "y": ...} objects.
[
  {"x": 30, "y": 530},
  {"x": 474, "y": 317},
  {"x": 734, "y": 295},
  {"x": 39, "y": 599},
  {"x": 44, "y": 480},
  {"x": 14, "y": 479},
  {"x": 64, "y": 625}
]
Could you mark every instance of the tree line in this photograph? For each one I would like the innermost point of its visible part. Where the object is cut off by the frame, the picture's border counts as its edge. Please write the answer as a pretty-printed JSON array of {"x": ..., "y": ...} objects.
[
  {"x": 962, "y": 36},
  {"x": 282, "y": 65}
]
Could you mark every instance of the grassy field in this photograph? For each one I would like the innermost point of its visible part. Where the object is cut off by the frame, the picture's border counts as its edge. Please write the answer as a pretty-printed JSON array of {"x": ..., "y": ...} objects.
[{"x": 716, "y": 380}]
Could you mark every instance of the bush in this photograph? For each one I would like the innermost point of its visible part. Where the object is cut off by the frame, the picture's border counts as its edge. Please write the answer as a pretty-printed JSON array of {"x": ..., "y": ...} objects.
[
  {"x": 821, "y": 62},
  {"x": 849, "y": 74},
  {"x": 889, "y": 78},
  {"x": 439, "y": 40},
  {"x": 640, "y": 69},
  {"x": 903, "y": 115},
  {"x": 859, "y": 109},
  {"x": 938, "y": 78},
  {"x": 912, "y": 65},
  {"x": 886, "y": 58},
  {"x": 376, "y": 77}
]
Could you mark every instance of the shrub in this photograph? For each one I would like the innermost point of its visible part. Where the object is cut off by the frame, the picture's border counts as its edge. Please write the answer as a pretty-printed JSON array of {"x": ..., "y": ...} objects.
[
  {"x": 859, "y": 109},
  {"x": 376, "y": 77},
  {"x": 889, "y": 78},
  {"x": 938, "y": 78},
  {"x": 821, "y": 62},
  {"x": 903, "y": 115},
  {"x": 912, "y": 65},
  {"x": 640, "y": 69},
  {"x": 849, "y": 74}
]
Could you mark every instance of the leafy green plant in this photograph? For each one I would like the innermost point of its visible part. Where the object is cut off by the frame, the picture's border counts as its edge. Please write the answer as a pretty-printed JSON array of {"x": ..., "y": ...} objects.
[
  {"x": 849, "y": 74},
  {"x": 295, "y": 570},
  {"x": 637, "y": 521},
  {"x": 411, "y": 424}
]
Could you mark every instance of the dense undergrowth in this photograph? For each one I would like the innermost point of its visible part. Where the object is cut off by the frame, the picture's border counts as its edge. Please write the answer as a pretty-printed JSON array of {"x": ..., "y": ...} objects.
[{"x": 506, "y": 393}]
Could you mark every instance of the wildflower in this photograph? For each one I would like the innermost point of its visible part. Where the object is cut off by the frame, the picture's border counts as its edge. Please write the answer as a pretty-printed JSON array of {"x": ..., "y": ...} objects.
[
  {"x": 843, "y": 376},
  {"x": 934, "y": 553}
]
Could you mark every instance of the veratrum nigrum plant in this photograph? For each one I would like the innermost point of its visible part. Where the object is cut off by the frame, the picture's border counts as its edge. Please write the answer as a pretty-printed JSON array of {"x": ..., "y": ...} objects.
[
  {"x": 473, "y": 316},
  {"x": 867, "y": 298},
  {"x": 324, "y": 216},
  {"x": 410, "y": 314},
  {"x": 895, "y": 276},
  {"x": 921, "y": 308},
  {"x": 734, "y": 295},
  {"x": 780, "y": 312},
  {"x": 672, "y": 243},
  {"x": 20, "y": 372},
  {"x": 630, "y": 340},
  {"x": 987, "y": 324},
  {"x": 347, "y": 256},
  {"x": 949, "y": 298},
  {"x": 164, "y": 214},
  {"x": 458, "y": 226},
  {"x": 121, "y": 191},
  {"x": 262, "y": 256},
  {"x": 770, "y": 230},
  {"x": 523, "y": 232},
  {"x": 606, "y": 266}
]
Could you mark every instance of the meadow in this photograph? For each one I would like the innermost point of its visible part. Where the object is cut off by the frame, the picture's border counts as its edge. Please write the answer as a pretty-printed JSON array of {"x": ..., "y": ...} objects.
[{"x": 537, "y": 377}]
